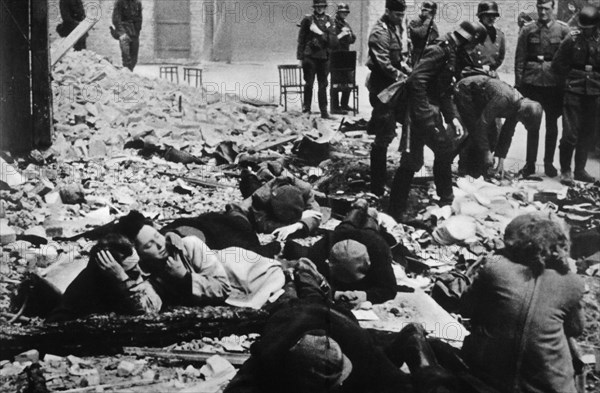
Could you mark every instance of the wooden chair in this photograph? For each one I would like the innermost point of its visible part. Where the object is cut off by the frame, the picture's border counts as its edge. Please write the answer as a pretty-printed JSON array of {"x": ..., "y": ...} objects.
[
  {"x": 190, "y": 73},
  {"x": 170, "y": 72},
  {"x": 290, "y": 82},
  {"x": 343, "y": 74}
]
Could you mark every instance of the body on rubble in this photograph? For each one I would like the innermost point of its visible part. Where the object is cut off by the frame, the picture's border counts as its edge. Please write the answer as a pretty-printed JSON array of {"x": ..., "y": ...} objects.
[
  {"x": 524, "y": 306},
  {"x": 277, "y": 202},
  {"x": 112, "y": 281},
  {"x": 355, "y": 258}
]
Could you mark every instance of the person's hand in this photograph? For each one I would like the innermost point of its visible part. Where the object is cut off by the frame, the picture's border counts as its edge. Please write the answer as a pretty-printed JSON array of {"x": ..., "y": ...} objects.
[
  {"x": 281, "y": 234},
  {"x": 311, "y": 214},
  {"x": 458, "y": 128},
  {"x": 353, "y": 297},
  {"x": 174, "y": 268},
  {"x": 109, "y": 266}
]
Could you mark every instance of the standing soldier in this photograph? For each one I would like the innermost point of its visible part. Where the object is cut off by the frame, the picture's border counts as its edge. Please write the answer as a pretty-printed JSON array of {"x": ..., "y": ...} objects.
[
  {"x": 315, "y": 39},
  {"x": 72, "y": 13},
  {"x": 486, "y": 58},
  {"x": 345, "y": 38},
  {"x": 418, "y": 28},
  {"x": 537, "y": 44},
  {"x": 385, "y": 63},
  {"x": 430, "y": 88},
  {"x": 127, "y": 19},
  {"x": 578, "y": 57}
]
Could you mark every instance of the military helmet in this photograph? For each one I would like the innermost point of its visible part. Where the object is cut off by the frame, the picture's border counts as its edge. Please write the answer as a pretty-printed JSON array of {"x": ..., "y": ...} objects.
[
  {"x": 319, "y": 3},
  {"x": 588, "y": 17},
  {"x": 429, "y": 5},
  {"x": 343, "y": 7},
  {"x": 472, "y": 31},
  {"x": 488, "y": 8}
]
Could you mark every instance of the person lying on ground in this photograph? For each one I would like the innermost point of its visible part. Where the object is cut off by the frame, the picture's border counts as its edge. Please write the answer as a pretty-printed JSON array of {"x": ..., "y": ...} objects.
[
  {"x": 355, "y": 258},
  {"x": 312, "y": 347},
  {"x": 184, "y": 271},
  {"x": 112, "y": 281},
  {"x": 524, "y": 304},
  {"x": 283, "y": 206}
]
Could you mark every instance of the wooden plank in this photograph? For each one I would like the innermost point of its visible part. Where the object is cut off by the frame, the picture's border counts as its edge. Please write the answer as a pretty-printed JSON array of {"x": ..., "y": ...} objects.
[
  {"x": 40, "y": 76},
  {"x": 237, "y": 359},
  {"x": 276, "y": 143},
  {"x": 62, "y": 46}
]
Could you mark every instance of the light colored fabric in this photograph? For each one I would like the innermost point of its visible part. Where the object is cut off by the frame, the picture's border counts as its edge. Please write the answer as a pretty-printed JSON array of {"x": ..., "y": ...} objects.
[{"x": 253, "y": 278}]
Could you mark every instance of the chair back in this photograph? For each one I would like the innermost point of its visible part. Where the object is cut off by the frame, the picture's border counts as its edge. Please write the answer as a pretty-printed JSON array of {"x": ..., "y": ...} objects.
[
  {"x": 290, "y": 75},
  {"x": 342, "y": 66}
]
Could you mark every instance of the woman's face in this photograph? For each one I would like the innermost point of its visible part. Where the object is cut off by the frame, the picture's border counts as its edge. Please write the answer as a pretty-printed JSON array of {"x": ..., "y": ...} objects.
[
  {"x": 150, "y": 244},
  {"x": 130, "y": 262}
]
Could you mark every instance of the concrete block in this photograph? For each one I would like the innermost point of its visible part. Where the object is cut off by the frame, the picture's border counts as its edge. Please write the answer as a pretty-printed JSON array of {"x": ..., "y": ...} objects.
[{"x": 7, "y": 234}]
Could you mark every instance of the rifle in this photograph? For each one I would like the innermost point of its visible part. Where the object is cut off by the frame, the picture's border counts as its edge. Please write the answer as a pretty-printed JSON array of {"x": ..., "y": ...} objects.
[{"x": 406, "y": 126}]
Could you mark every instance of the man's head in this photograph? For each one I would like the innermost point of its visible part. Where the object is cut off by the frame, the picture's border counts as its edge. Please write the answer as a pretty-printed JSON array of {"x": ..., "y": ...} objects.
[
  {"x": 530, "y": 114},
  {"x": 428, "y": 9},
  {"x": 148, "y": 242},
  {"x": 545, "y": 10},
  {"x": 120, "y": 248},
  {"x": 343, "y": 10},
  {"x": 470, "y": 34},
  {"x": 287, "y": 204},
  {"x": 588, "y": 20},
  {"x": 349, "y": 261},
  {"x": 487, "y": 12},
  {"x": 320, "y": 6},
  {"x": 523, "y": 18},
  {"x": 316, "y": 363},
  {"x": 394, "y": 10}
]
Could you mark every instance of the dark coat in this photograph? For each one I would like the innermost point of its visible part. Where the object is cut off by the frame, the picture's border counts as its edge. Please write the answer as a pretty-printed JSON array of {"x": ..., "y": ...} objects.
[
  {"x": 385, "y": 51},
  {"x": 520, "y": 325},
  {"x": 417, "y": 32},
  {"x": 346, "y": 41},
  {"x": 372, "y": 371},
  {"x": 311, "y": 44},
  {"x": 71, "y": 12},
  {"x": 127, "y": 17}
]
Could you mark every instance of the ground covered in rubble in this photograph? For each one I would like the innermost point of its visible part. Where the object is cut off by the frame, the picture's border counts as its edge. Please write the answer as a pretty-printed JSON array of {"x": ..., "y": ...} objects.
[{"x": 125, "y": 142}]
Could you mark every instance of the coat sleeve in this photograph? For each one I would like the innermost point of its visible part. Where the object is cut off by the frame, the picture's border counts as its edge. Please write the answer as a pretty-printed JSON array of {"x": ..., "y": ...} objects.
[
  {"x": 140, "y": 297},
  {"x": 208, "y": 280},
  {"x": 521, "y": 56},
  {"x": 469, "y": 300},
  {"x": 137, "y": 22},
  {"x": 501, "y": 51},
  {"x": 66, "y": 13},
  {"x": 562, "y": 57},
  {"x": 575, "y": 319},
  {"x": 117, "y": 18},
  {"x": 302, "y": 38},
  {"x": 383, "y": 279},
  {"x": 379, "y": 46},
  {"x": 418, "y": 83},
  {"x": 487, "y": 121}
]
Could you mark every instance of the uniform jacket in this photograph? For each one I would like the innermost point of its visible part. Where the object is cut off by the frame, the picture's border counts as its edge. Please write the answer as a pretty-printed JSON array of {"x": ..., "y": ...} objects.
[
  {"x": 520, "y": 325},
  {"x": 206, "y": 281},
  {"x": 71, "y": 12},
  {"x": 490, "y": 55},
  {"x": 498, "y": 100},
  {"x": 258, "y": 205},
  {"x": 93, "y": 293},
  {"x": 264, "y": 372},
  {"x": 573, "y": 55},
  {"x": 385, "y": 50},
  {"x": 417, "y": 32},
  {"x": 536, "y": 47},
  {"x": 346, "y": 41},
  {"x": 127, "y": 17},
  {"x": 311, "y": 44},
  {"x": 431, "y": 84}
]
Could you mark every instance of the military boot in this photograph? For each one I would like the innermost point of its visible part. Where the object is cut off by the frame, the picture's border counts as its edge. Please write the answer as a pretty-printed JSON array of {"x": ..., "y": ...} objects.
[
  {"x": 580, "y": 162},
  {"x": 378, "y": 169}
]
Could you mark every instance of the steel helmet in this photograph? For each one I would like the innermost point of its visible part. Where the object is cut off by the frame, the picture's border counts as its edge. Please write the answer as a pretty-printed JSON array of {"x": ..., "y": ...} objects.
[
  {"x": 472, "y": 31},
  {"x": 343, "y": 7},
  {"x": 488, "y": 8},
  {"x": 588, "y": 17}
]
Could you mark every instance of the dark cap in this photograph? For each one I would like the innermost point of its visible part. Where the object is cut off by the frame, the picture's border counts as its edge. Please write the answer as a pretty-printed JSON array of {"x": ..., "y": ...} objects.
[
  {"x": 395, "y": 5},
  {"x": 319, "y": 3},
  {"x": 287, "y": 204},
  {"x": 349, "y": 261},
  {"x": 343, "y": 7},
  {"x": 316, "y": 363},
  {"x": 429, "y": 5}
]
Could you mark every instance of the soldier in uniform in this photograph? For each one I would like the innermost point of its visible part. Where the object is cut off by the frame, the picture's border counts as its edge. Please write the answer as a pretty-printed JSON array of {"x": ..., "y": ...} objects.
[
  {"x": 315, "y": 40},
  {"x": 481, "y": 100},
  {"x": 578, "y": 58},
  {"x": 418, "y": 27},
  {"x": 72, "y": 13},
  {"x": 486, "y": 58},
  {"x": 345, "y": 38},
  {"x": 385, "y": 63},
  {"x": 127, "y": 19},
  {"x": 430, "y": 93}
]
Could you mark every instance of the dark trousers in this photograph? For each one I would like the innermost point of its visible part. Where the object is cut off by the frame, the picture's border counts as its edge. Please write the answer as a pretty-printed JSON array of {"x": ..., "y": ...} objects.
[
  {"x": 320, "y": 68},
  {"x": 335, "y": 98},
  {"x": 81, "y": 44},
  {"x": 444, "y": 149},
  {"x": 551, "y": 99},
  {"x": 581, "y": 119},
  {"x": 130, "y": 47},
  {"x": 383, "y": 125}
]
